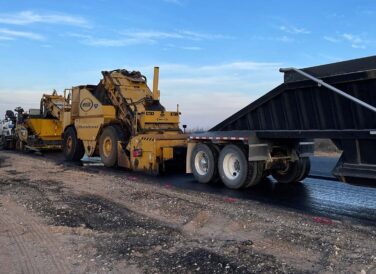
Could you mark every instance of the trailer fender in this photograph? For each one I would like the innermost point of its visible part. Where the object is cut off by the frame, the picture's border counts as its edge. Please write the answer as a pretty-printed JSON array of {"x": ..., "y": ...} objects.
[
  {"x": 190, "y": 148},
  {"x": 258, "y": 152}
]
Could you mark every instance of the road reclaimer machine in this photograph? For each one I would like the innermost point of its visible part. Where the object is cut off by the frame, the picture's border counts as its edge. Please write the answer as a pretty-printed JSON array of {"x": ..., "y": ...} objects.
[
  {"x": 122, "y": 121},
  {"x": 41, "y": 129}
]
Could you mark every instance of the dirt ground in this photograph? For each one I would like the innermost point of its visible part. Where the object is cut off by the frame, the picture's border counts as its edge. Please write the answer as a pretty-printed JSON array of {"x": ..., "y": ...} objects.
[{"x": 56, "y": 217}]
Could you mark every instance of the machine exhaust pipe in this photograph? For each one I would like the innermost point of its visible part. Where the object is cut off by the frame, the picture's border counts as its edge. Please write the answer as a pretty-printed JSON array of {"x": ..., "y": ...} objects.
[{"x": 156, "y": 93}]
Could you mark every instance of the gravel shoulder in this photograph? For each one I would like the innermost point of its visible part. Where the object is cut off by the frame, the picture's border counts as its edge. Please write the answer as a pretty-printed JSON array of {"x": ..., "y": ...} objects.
[{"x": 56, "y": 217}]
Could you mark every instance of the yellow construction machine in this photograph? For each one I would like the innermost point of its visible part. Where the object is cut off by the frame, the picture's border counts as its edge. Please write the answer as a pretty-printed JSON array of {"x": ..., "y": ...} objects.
[
  {"x": 41, "y": 129},
  {"x": 122, "y": 121}
]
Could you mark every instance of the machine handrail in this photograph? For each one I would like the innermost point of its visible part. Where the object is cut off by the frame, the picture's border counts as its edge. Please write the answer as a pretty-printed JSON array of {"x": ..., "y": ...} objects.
[{"x": 332, "y": 88}]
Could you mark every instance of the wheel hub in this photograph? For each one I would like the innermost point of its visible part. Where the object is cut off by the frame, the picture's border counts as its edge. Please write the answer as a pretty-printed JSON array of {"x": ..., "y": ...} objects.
[
  {"x": 69, "y": 143},
  {"x": 285, "y": 169},
  {"x": 231, "y": 166},
  {"x": 107, "y": 146},
  {"x": 202, "y": 163}
]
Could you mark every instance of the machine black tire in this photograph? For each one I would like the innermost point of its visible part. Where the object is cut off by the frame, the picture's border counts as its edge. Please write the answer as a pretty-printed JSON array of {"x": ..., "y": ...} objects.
[
  {"x": 294, "y": 172},
  {"x": 231, "y": 158},
  {"x": 211, "y": 154},
  {"x": 43, "y": 110},
  {"x": 73, "y": 148},
  {"x": 305, "y": 168},
  {"x": 8, "y": 144},
  {"x": 108, "y": 145},
  {"x": 20, "y": 146},
  {"x": 255, "y": 173},
  {"x": 2, "y": 142}
]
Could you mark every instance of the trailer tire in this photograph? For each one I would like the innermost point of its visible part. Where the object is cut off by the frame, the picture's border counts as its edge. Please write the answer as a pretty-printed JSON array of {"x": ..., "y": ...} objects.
[
  {"x": 108, "y": 146},
  {"x": 305, "y": 168},
  {"x": 73, "y": 148},
  {"x": 204, "y": 157},
  {"x": 234, "y": 169},
  {"x": 255, "y": 173},
  {"x": 294, "y": 171}
]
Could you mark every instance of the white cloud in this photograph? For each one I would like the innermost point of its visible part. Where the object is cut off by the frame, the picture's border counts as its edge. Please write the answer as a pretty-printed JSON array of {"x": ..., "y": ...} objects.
[
  {"x": 107, "y": 42},
  {"x": 355, "y": 41},
  {"x": 192, "y": 35},
  {"x": 6, "y": 38},
  {"x": 285, "y": 39},
  {"x": 152, "y": 35},
  {"x": 8, "y": 34},
  {"x": 191, "y": 48},
  {"x": 126, "y": 38},
  {"x": 30, "y": 17},
  {"x": 366, "y": 12},
  {"x": 293, "y": 30},
  {"x": 358, "y": 46},
  {"x": 332, "y": 39}
]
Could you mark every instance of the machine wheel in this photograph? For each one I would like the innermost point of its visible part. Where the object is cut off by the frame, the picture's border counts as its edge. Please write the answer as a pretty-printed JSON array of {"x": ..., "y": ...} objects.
[
  {"x": 73, "y": 148},
  {"x": 293, "y": 171},
  {"x": 8, "y": 144},
  {"x": 5, "y": 143},
  {"x": 234, "y": 169},
  {"x": 43, "y": 110},
  {"x": 20, "y": 146},
  {"x": 203, "y": 163},
  {"x": 108, "y": 146}
]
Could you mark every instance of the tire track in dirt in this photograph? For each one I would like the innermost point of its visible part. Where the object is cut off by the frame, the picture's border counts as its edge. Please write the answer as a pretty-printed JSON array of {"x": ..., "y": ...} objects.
[
  {"x": 37, "y": 234},
  {"x": 21, "y": 263},
  {"x": 52, "y": 247},
  {"x": 27, "y": 264}
]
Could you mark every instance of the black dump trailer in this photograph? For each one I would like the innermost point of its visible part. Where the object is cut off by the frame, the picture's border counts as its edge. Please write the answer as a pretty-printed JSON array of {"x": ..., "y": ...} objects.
[{"x": 274, "y": 134}]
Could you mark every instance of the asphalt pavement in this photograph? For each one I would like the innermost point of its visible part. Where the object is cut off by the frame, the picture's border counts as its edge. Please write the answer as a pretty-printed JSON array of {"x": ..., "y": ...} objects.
[{"x": 318, "y": 195}]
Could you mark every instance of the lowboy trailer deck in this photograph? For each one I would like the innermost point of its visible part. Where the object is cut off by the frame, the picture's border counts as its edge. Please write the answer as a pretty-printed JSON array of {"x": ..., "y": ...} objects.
[{"x": 274, "y": 135}]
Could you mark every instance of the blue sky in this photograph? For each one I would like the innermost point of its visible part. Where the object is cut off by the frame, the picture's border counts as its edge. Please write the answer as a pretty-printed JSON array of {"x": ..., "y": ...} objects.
[{"x": 215, "y": 56}]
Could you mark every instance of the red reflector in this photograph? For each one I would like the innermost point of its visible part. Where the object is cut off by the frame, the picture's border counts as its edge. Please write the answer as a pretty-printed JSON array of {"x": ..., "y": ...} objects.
[{"x": 137, "y": 152}]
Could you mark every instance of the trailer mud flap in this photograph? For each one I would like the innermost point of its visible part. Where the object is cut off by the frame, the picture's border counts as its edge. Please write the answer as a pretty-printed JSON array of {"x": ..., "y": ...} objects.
[{"x": 258, "y": 152}]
